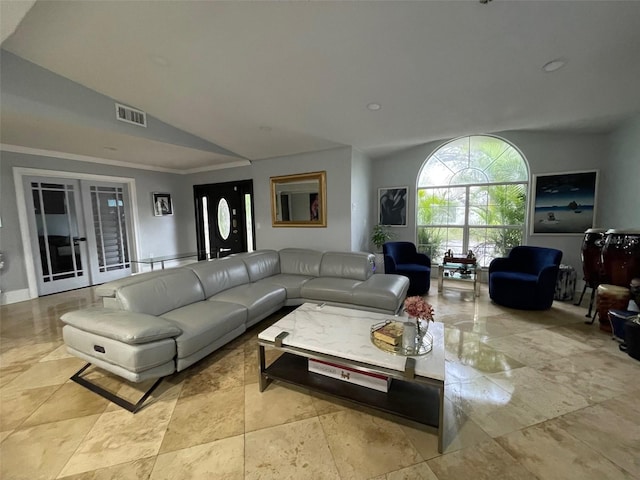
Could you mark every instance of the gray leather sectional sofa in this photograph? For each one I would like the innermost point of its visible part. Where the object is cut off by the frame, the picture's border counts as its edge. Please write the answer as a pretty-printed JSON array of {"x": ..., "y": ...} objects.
[{"x": 159, "y": 323}]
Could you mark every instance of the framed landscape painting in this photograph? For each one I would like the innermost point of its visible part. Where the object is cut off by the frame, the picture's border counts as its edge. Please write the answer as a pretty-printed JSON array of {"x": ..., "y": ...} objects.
[
  {"x": 392, "y": 206},
  {"x": 564, "y": 203}
]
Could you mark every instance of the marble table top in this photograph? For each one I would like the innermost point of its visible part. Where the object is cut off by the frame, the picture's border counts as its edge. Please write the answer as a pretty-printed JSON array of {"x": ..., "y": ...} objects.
[{"x": 345, "y": 333}]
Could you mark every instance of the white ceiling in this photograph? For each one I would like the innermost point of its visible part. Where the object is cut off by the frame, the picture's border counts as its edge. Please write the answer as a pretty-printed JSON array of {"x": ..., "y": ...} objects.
[{"x": 265, "y": 79}]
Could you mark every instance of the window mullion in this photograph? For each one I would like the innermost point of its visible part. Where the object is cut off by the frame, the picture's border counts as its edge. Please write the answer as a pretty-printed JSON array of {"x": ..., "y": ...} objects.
[{"x": 465, "y": 230}]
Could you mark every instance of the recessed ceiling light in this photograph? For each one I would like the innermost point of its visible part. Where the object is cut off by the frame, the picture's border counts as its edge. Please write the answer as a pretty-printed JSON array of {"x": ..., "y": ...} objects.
[
  {"x": 554, "y": 65},
  {"x": 374, "y": 106}
]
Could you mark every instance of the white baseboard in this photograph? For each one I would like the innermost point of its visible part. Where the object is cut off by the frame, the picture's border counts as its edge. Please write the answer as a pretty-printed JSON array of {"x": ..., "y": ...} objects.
[{"x": 14, "y": 296}]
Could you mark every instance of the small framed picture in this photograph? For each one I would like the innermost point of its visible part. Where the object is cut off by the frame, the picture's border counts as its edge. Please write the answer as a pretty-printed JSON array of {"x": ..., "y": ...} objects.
[
  {"x": 162, "y": 204},
  {"x": 392, "y": 206}
]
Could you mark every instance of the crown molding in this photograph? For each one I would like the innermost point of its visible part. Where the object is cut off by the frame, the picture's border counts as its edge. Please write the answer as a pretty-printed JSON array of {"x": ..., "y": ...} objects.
[
  {"x": 237, "y": 163},
  {"x": 82, "y": 158},
  {"x": 116, "y": 163}
]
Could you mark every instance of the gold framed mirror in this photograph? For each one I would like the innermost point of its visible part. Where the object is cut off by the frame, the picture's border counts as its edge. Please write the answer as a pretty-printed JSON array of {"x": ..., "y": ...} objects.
[{"x": 299, "y": 200}]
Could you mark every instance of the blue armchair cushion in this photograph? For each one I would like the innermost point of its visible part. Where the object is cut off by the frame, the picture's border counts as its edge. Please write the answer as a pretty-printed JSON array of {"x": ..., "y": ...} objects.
[{"x": 402, "y": 258}]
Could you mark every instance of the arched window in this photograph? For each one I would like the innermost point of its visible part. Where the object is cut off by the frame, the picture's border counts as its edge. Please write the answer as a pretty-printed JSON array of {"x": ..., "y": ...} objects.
[{"x": 472, "y": 195}]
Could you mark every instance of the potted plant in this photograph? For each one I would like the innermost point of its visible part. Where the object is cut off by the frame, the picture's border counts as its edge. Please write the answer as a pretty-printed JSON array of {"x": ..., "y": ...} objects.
[{"x": 379, "y": 235}]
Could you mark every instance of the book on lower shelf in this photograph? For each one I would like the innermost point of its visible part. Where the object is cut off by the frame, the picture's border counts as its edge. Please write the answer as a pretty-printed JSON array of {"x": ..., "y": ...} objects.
[{"x": 350, "y": 375}]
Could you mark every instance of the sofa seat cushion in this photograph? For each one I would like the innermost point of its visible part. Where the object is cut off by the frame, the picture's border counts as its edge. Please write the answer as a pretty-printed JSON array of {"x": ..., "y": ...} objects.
[
  {"x": 291, "y": 283},
  {"x": 382, "y": 291},
  {"x": 260, "y": 299},
  {"x": 330, "y": 289},
  {"x": 126, "y": 327},
  {"x": 204, "y": 322},
  {"x": 132, "y": 357}
]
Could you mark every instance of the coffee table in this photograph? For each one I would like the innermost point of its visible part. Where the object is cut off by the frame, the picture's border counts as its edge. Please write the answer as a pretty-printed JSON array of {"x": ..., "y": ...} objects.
[{"x": 342, "y": 336}]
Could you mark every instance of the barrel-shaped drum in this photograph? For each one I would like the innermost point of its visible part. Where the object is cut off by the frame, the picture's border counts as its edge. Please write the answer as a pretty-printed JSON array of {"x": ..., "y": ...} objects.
[
  {"x": 591, "y": 256},
  {"x": 610, "y": 297},
  {"x": 621, "y": 256}
]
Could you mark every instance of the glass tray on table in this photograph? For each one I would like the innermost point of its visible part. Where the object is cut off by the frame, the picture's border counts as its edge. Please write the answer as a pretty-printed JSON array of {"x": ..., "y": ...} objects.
[{"x": 423, "y": 342}]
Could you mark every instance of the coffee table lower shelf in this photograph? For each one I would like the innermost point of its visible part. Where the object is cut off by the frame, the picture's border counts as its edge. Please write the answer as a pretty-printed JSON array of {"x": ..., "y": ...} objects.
[{"x": 415, "y": 401}]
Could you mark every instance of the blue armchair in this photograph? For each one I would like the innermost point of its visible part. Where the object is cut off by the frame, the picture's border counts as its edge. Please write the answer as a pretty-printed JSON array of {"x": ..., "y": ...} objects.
[
  {"x": 526, "y": 279},
  {"x": 402, "y": 258}
]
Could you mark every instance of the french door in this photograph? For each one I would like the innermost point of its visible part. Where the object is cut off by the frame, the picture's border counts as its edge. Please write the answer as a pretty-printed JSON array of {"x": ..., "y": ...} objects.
[
  {"x": 79, "y": 232},
  {"x": 224, "y": 218}
]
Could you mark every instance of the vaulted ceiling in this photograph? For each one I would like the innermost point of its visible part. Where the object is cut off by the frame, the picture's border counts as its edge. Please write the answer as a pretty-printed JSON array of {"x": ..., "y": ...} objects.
[{"x": 265, "y": 79}]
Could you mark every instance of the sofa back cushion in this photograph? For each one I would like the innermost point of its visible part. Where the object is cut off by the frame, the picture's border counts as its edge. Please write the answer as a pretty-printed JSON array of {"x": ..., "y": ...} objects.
[
  {"x": 161, "y": 294},
  {"x": 219, "y": 275},
  {"x": 300, "y": 261},
  {"x": 262, "y": 264},
  {"x": 354, "y": 265},
  {"x": 109, "y": 289}
]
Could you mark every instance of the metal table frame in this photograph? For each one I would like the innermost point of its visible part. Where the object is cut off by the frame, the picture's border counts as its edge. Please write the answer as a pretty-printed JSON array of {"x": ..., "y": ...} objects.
[
  {"x": 410, "y": 396},
  {"x": 448, "y": 266}
]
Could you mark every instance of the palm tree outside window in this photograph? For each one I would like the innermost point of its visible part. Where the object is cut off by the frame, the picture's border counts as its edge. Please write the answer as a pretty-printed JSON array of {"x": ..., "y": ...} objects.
[{"x": 472, "y": 195}]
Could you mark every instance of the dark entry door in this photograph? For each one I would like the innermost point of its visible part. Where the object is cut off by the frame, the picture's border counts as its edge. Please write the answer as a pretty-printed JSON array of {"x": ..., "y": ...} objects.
[{"x": 224, "y": 218}]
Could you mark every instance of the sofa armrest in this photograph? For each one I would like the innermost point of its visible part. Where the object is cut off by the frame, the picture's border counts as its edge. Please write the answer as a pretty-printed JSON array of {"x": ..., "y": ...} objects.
[{"x": 126, "y": 327}]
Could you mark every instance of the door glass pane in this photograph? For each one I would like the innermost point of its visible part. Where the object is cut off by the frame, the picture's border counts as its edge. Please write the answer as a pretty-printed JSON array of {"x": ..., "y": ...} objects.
[
  {"x": 248, "y": 222},
  {"x": 205, "y": 216},
  {"x": 224, "y": 219},
  {"x": 56, "y": 225},
  {"x": 107, "y": 204},
  {"x": 74, "y": 248},
  {"x": 44, "y": 251}
]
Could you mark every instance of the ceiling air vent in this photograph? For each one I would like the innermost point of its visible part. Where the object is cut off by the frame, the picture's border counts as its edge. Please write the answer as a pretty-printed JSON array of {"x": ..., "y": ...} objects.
[{"x": 131, "y": 115}]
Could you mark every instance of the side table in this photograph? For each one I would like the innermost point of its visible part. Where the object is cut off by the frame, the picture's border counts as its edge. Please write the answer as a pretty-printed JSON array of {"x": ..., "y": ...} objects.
[
  {"x": 565, "y": 283},
  {"x": 460, "y": 269}
]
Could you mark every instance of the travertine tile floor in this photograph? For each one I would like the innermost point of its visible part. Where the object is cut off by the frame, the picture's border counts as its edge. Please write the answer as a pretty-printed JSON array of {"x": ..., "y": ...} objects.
[{"x": 529, "y": 395}]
